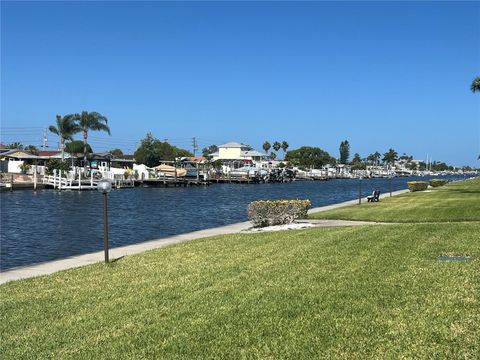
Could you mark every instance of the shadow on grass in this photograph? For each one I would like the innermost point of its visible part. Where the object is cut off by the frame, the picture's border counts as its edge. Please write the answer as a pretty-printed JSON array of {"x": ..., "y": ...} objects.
[{"x": 117, "y": 259}]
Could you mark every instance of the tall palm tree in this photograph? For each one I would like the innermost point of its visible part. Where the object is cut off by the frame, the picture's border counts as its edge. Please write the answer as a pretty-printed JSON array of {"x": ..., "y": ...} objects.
[
  {"x": 266, "y": 146},
  {"x": 475, "y": 84},
  {"x": 284, "y": 148},
  {"x": 276, "y": 146},
  {"x": 390, "y": 157},
  {"x": 91, "y": 121},
  {"x": 65, "y": 129}
]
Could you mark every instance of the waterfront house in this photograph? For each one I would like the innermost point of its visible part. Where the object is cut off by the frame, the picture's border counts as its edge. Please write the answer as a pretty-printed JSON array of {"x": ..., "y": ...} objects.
[
  {"x": 12, "y": 160},
  {"x": 238, "y": 151}
]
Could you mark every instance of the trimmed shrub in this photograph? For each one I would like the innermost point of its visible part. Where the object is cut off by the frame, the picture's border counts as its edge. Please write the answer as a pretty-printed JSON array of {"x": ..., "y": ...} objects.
[
  {"x": 417, "y": 185},
  {"x": 437, "y": 182},
  {"x": 276, "y": 212}
]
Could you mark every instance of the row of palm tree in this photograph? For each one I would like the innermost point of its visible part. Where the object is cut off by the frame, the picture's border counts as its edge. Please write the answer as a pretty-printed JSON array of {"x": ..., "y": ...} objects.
[
  {"x": 69, "y": 125},
  {"x": 276, "y": 146}
]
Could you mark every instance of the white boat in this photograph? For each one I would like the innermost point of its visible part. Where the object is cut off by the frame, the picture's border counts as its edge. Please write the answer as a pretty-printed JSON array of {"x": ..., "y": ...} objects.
[
  {"x": 169, "y": 171},
  {"x": 249, "y": 171}
]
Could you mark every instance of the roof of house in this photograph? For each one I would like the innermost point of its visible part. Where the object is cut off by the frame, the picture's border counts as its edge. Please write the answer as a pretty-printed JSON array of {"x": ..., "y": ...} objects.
[
  {"x": 232, "y": 145},
  {"x": 40, "y": 155},
  {"x": 17, "y": 153},
  {"x": 252, "y": 153},
  {"x": 123, "y": 160},
  {"x": 48, "y": 152}
]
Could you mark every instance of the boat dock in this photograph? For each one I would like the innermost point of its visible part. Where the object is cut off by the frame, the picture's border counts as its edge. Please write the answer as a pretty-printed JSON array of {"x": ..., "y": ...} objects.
[
  {"x": 236, "y": 180},
  {"x": 58, "y": 182},
  {"x": 171, "y": 182}
]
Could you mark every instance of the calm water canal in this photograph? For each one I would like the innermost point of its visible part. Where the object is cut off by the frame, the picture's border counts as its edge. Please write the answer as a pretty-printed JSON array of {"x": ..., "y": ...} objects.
[{"x": 47, "y": 225}]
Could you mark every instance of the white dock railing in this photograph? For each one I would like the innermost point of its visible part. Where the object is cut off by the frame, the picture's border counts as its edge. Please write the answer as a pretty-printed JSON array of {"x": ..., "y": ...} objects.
[
  {"x": 69, "y": 182},
  {"x": 63, "y": 183}
]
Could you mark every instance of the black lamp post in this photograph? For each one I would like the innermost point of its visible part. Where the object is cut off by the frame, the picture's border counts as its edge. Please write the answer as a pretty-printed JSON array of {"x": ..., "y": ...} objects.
[
  {"x": 360, "y": 190},
  {"x": 390, "y": 181},
  {"x": 104, "y": 186}
]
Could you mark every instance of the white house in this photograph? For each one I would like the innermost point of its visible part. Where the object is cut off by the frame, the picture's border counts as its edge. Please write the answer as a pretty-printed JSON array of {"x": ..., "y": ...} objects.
[{"x": 237, "y": 151}]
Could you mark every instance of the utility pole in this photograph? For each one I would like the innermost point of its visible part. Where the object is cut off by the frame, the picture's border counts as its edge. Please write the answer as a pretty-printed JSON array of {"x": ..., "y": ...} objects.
[
  {"x": 194, "y": 145},
  {"x": 45, "y": 139}
]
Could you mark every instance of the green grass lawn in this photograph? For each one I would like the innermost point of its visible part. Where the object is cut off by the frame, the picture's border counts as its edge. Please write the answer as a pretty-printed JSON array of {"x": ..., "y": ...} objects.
[
  {"x": 454, "y": 202},
  {"x": 355, "y": 293}
]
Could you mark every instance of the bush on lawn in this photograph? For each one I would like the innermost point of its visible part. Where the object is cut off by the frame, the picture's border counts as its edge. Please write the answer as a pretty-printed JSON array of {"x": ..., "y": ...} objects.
[
  {"x": 276, "y": 212},
  {"x": 417, "y": 185},
  {"x": 437, "y": 182}
]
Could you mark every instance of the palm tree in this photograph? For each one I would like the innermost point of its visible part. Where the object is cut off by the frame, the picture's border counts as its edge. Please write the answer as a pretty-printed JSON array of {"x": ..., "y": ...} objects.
[
  {"x": 390, "y": 157},
  {"x": 65, "y": 129},
  {"x": 276, "y": 146},
  {"x": 266, "y": 146},
  {"x": 284, "y": 148},
  {"x": 91, "y": 121},
  {"x": 475, "y": 84}
]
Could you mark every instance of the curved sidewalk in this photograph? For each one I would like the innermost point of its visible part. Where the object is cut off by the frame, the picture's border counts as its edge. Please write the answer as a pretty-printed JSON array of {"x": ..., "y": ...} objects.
[{"x": 118, "y": 252}]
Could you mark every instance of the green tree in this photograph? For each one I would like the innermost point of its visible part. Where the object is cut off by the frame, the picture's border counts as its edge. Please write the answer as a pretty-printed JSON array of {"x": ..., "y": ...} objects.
[
  {"x": 344, "y": 152},
  {"x": 357, "y": 162},
  {"x": 116, "y": 152},
  {"x": 371, "y": 159},
  {"x": 32, "y": 148},
  {"x": 152, "y": 151},
  {"x": 217, "y": 164},
  {"x": 406, "y": 158},
  {"x": 284, "y": 148},
  {"x": 56, "y": 164},
  {"x": 308, "y": 156},
  {"x": 390, "y": 157},
  {"x": 15, "y": 145},
  {"x": 273, "y": 155},
  {"x": 76, "y": 147},
  {"x": 266, "y": 146},
  {"x": 65, "y": 129},
  {"x": 376, "y": 157},
  {"x": 475, "y": 86},
  {"x": 91, "y": 121},
  {"x": 206, "y": 151}
]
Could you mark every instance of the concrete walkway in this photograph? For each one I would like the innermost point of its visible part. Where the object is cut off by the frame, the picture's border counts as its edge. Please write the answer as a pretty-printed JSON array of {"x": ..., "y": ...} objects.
[{"x": 115, "y": 253}]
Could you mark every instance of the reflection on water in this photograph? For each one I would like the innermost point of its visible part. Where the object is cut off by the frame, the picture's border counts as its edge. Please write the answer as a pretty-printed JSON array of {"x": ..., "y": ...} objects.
[{"x": 47, "y": 225}]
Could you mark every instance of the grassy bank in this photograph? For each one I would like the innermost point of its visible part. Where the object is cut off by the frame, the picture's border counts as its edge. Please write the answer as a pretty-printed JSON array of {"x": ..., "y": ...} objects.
[
  {"x": 459, "y": 201},
  {"x": 363, "y": 292}
]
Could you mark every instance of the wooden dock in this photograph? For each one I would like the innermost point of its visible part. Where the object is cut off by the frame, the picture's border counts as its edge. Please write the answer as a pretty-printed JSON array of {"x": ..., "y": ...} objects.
[
  {"x": 171, "y": 182},
  {"x": 235, "y": 180}
]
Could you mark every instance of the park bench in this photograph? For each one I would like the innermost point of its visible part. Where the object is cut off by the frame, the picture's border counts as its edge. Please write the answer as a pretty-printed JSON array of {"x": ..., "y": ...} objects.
[{"x": 375, "y": 197}]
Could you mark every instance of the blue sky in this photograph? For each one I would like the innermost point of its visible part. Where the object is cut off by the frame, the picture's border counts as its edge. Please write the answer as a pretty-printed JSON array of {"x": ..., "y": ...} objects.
[{"x": 380, "y": 74}]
